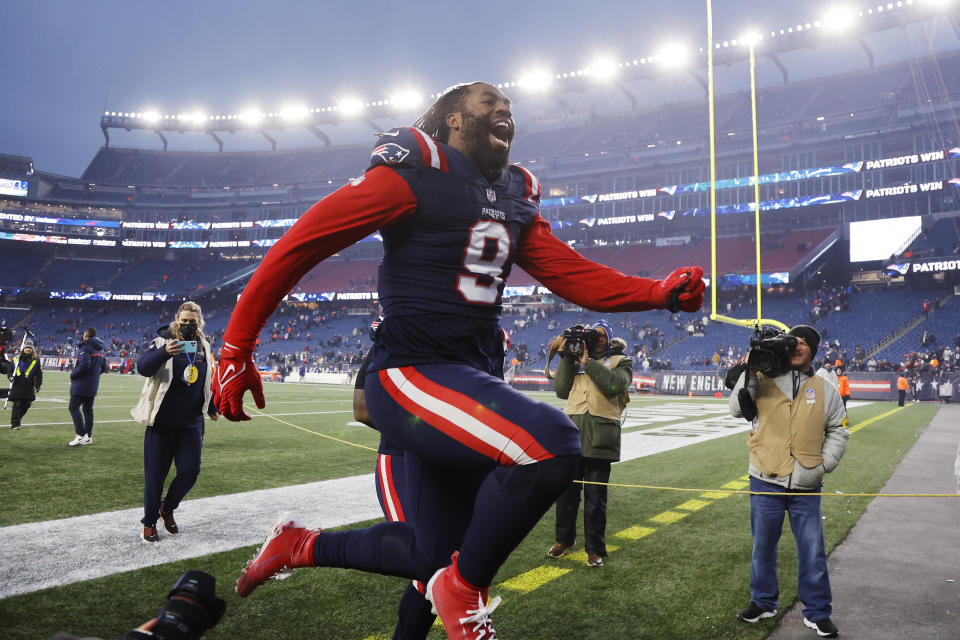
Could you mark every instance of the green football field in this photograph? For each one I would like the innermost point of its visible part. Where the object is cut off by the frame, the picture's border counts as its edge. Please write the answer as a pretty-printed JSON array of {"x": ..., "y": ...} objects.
[{"x": 679, "y": 561}]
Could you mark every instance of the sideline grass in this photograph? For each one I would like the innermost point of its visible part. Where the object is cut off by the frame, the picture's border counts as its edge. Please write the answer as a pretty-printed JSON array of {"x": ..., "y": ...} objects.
[{"x": 685, "y": 580}]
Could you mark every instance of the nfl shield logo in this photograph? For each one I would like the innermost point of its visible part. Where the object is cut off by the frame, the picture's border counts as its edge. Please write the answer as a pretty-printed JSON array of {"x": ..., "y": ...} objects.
[
  {"x": 811, "y": 395},
  {"x": 491, "y": 195}
]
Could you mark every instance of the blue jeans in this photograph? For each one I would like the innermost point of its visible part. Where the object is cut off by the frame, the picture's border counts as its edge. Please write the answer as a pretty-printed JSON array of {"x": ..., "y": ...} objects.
[{"x": 766, "y": 523}]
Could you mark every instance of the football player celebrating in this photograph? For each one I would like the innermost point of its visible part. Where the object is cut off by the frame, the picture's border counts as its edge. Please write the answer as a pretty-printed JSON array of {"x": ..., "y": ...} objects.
[{"x": 485, "y": 461}]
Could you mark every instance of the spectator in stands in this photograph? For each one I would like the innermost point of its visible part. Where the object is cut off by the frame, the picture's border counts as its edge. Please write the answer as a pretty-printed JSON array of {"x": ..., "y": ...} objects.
[
  {"x": 595, "y": 386},
  {"x": 174, "y": 398},
  {"x": 25, "y": 382},
  {"x": 792, "y": 446},
  {"x": 902, "y": 386},
  {"x": 84, "y": 384}
]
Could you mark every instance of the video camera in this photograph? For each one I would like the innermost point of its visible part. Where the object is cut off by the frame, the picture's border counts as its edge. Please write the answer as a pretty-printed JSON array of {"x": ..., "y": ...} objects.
[
  {"x": 770, "y": 350},
  {"x": 192, "y": 608},
  {"x": 577, "y": 338},
  {"x": 6, "y": 335}
]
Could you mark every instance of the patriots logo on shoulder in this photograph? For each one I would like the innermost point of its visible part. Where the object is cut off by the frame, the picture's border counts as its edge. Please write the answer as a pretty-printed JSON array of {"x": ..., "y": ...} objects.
[{"x": 391, "y": 152}]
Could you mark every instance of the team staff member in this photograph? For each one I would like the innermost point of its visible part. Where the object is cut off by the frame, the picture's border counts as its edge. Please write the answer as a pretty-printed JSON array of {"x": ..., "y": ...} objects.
[
  {"x": 902, "y": 386},
  {"x": 797, "y": 437},
  {"x": 594, "y": 387},
  {"x": 171, "y": 406},
  {"x": 843, "y": 386},
  {"x": 84, "y": 384},
  {"x": 25, "y": 382},
  {"x": 485, "y": 461}
]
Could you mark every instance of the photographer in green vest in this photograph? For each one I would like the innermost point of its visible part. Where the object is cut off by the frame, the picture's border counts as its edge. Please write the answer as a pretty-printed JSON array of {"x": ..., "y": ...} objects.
[{"x": 593, "y": 377}]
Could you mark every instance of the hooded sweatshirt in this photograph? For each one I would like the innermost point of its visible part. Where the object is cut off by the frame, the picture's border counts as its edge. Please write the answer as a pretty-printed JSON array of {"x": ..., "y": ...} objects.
[{"x": 85, "y": 377}]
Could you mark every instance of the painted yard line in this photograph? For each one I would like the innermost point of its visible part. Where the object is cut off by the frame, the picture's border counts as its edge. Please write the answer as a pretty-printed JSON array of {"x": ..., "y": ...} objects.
[
  {"x": 867, "y": 423},
  {"x": 533, "y": 579},
  {"x": 33, "y": 555}
]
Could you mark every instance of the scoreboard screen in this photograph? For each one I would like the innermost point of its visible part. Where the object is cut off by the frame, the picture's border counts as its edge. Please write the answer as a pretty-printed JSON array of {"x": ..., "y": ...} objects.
[
  {"x": 16, "y": 188},
  {"x": 882, "y": 239}
]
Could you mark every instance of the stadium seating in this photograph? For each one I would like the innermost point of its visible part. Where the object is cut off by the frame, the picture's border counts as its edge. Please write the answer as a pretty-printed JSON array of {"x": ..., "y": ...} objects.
[{"x": 944, "y": 323}]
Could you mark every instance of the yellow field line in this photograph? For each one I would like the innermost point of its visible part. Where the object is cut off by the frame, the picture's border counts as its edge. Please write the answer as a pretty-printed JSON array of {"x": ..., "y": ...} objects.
[{"x": 322, "y": 435}]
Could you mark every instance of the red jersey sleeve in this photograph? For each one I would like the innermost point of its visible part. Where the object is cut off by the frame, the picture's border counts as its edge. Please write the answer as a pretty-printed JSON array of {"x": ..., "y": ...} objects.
[
  {"x": 344, "y": 217},
  {"x": 584, "y": 282}
]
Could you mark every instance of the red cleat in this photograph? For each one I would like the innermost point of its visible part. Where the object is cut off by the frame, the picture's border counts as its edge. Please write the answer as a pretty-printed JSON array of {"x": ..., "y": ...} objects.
[
  {"x": 289, "y": 546},
  {"x": 463, "y": 608}
]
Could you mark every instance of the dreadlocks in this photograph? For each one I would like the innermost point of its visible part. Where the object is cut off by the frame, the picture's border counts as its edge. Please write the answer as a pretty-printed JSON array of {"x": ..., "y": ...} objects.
[{"x": 434, "y": 121}]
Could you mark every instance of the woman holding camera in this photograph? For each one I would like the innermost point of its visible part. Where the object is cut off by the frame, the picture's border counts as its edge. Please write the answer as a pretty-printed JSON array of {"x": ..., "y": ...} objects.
[{"x": 179, "y": 369}]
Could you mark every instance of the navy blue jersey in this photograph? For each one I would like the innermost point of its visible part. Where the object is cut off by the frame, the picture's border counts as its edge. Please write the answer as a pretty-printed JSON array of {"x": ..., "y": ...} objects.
[
  {"x": 444, "y": 266},
  {"x": 454, "y": 253}
]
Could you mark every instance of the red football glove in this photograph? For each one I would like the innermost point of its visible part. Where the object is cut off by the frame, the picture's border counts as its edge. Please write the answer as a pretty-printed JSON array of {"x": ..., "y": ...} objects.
[
  {"x": 682, "y": 290},
  {"x": 236, "y": 374}
]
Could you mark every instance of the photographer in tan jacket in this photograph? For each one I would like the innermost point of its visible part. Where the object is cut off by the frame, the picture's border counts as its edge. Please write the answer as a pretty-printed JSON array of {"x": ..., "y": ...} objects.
[{"x": 798, "y": 435}]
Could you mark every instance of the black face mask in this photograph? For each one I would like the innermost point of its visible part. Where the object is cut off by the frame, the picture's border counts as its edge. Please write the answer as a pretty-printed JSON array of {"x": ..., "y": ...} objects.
[{"x": 188, "y": 331}]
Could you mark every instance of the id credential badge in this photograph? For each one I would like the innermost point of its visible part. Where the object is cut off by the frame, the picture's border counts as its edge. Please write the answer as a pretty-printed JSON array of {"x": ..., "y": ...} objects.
[{"x": 191, "y": 374}]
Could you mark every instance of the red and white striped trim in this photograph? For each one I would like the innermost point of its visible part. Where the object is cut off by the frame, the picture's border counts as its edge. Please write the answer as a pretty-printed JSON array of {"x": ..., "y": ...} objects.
[
  {"x": 462, "y": 418},
  {"x": 388, "y": 489},
  {"x": 871, "y": 385},
  {"x": 533, "y": 185},
  {"x": 429, "y": 151}
]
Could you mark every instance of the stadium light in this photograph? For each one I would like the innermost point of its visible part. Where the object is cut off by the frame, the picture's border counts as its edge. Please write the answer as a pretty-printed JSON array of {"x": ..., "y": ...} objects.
[
  {"x": 151, "y": 116},
  {"x": 350, "y": 106},
  {"x": 673, "y": 55},
  {"x": 197, "y": 117},
  {"x": 406, "y": 99},
  {"x": 839, "y": 19},
  {"x": 750, "y": 39},
  {"x": 293, "y": 112},
  {"x": 250, "y": 116},
  {"x": 603, "y": 68},
  {"x": 536, "y": 79}
]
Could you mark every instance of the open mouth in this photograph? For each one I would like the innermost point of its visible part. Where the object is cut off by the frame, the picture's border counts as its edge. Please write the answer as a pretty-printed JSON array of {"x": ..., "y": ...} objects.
[{"x": 500, "y": 134}]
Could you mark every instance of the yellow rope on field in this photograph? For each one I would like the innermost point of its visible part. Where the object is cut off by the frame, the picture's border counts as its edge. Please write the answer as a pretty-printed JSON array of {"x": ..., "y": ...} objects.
[{"x": 322, "y": 435}]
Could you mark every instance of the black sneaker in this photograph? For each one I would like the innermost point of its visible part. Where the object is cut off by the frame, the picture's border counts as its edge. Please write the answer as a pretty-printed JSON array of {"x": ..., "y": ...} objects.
[
  {"x": 149, "y": 534},
  {"x": 168, "y": 522},
  {"x": 753, "y": 613},
  {"x": 824, "y": 627}
]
